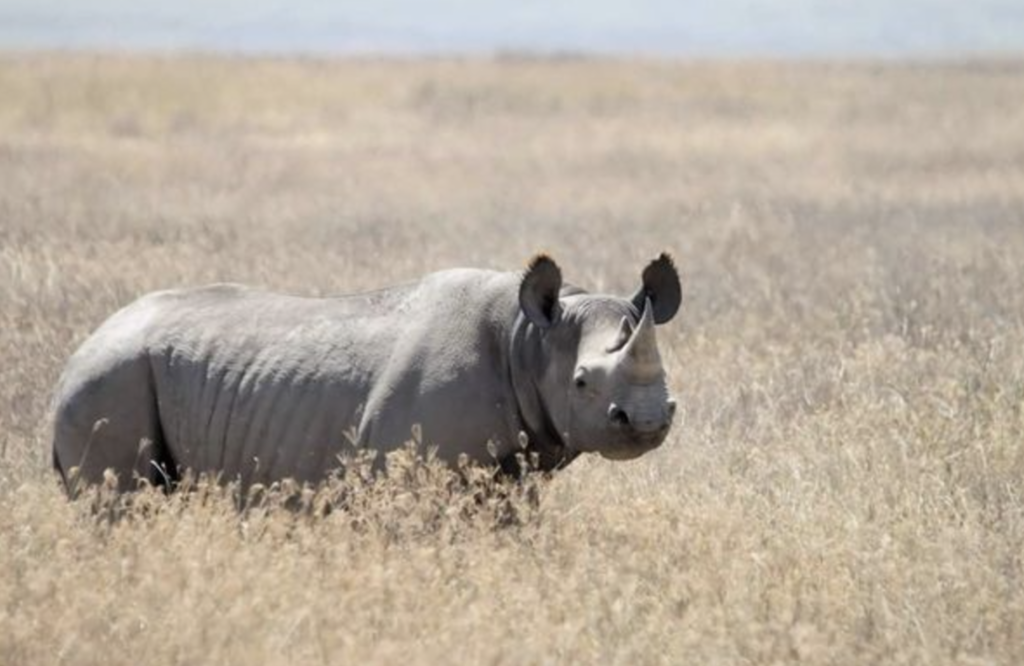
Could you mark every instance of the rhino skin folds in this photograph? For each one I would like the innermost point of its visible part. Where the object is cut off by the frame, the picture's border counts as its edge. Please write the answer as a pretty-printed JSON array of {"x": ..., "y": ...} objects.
[{"x": 258, "y": 387}]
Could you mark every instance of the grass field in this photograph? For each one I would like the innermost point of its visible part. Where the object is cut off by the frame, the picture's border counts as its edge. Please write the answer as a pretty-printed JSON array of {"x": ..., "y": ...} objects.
[{"x": 845, "y": 485}]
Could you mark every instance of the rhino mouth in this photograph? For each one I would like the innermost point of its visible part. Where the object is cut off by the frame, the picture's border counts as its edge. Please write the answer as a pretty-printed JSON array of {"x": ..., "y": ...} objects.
[{"x": 634, "y": 448}]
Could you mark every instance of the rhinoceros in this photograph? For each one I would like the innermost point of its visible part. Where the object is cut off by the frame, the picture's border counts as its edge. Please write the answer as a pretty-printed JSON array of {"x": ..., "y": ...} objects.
[{"x": 253, "y": 386}]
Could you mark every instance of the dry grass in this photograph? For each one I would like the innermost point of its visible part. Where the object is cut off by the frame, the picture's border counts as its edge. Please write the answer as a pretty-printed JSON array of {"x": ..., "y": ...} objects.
[{"x": 846, "y": 484}]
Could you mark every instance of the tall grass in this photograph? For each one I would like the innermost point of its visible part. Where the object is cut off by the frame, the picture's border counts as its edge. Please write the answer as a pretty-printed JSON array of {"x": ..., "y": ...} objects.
[{"x": 844, "y": 484}]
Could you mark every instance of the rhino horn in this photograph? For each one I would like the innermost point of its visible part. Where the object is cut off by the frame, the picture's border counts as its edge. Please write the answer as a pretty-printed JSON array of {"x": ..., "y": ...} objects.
[{"x": 641, "y": 352}]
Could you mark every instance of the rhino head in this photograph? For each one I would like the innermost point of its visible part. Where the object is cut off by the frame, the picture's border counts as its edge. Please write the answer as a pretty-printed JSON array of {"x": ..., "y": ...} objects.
[{"x": 596, "y": 373}]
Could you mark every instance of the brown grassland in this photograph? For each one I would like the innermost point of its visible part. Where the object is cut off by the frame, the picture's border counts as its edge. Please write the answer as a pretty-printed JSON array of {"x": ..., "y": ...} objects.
[{"x": 845, "y": 485}]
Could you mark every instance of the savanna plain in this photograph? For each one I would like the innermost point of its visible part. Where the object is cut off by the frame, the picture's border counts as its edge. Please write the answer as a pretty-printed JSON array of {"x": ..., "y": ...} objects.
[{"x": 845, "y": 480}]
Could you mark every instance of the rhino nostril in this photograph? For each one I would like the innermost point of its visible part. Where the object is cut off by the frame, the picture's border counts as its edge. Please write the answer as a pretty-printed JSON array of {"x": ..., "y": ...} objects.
[{"x": 618, "y": 415}]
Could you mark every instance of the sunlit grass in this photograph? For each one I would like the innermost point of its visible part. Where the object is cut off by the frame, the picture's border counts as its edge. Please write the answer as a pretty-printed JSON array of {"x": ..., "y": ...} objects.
[{"x": 844, "y": 484}]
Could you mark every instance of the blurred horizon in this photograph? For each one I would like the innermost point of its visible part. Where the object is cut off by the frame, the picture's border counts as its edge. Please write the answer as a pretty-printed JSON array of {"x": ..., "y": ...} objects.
[{"x": 730, "y": 28}]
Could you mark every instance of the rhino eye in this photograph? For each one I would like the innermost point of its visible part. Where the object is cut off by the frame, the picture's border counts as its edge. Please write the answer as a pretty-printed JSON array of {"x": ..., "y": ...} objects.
[{"x": 580, "y": 379}]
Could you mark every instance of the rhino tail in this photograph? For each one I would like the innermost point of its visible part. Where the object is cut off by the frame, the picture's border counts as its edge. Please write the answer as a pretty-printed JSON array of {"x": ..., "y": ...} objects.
[{"x": 60, "y": 471}]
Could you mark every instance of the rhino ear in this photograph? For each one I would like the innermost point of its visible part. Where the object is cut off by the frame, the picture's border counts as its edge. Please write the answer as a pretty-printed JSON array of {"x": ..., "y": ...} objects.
[
  {"x": 538, "y": 292},
  {"x": 661, "y": 285}
]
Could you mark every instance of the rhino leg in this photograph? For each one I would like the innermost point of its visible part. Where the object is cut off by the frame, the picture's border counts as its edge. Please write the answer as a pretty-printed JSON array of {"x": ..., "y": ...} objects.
[{"x": 108, "y": 420}]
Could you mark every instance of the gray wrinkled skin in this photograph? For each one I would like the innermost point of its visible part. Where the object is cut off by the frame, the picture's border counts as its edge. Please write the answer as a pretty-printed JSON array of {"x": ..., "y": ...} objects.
[{"x": 259, "y": 387}]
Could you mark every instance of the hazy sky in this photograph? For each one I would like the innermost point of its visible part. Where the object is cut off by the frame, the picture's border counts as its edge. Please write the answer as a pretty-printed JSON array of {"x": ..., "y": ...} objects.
[{"x": 681, "y": 27}]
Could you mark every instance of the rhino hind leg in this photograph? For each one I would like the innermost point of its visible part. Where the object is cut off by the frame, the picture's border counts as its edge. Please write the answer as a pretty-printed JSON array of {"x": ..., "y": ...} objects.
[{"x": 108, "y": 421}]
